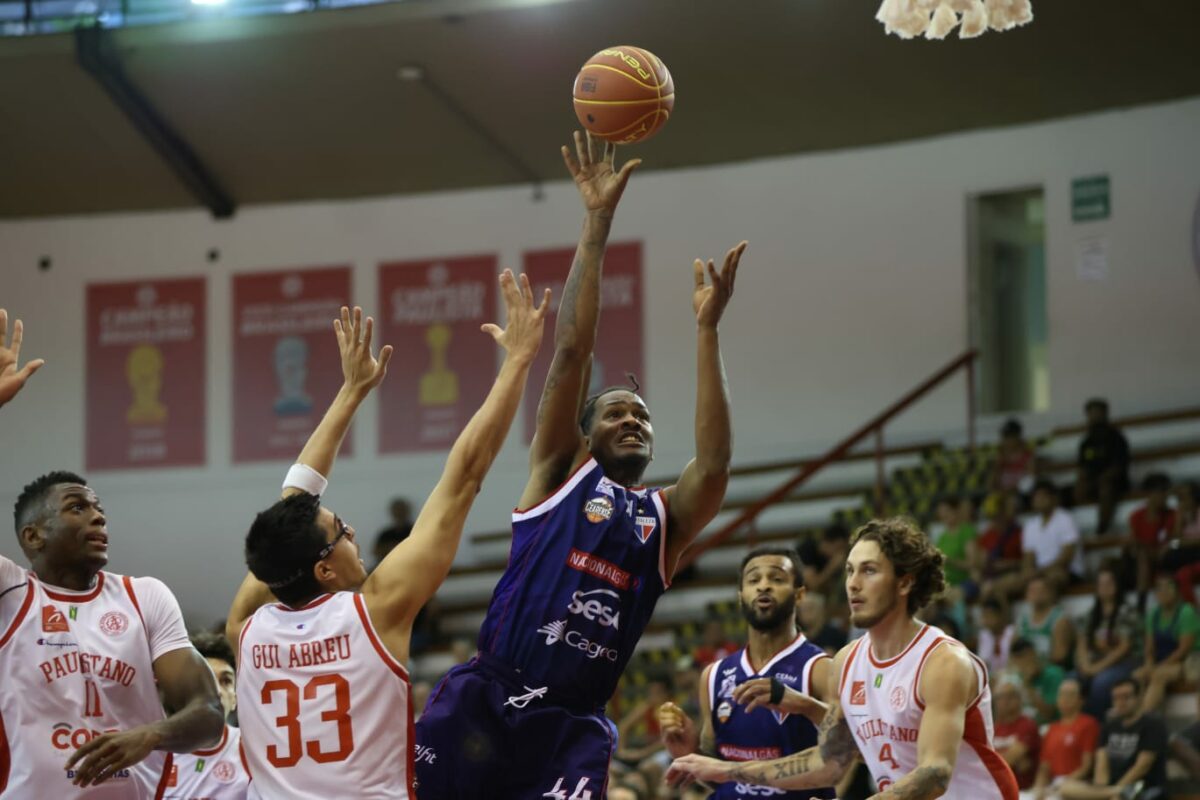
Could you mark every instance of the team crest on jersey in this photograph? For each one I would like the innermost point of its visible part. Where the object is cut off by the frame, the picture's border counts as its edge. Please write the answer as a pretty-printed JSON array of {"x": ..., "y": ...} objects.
[
  {"x": 598, "y": 509},
  {"x": 224, "y": 772},
  {"x": 114, "y": 623},
  {"x": 644, "y": 527},
  {"x": 858, "y": 693},
  {"x": 54, "y": 621},
  {"x": 898, "y": 699},
  {"x": 724, "y": 711}
]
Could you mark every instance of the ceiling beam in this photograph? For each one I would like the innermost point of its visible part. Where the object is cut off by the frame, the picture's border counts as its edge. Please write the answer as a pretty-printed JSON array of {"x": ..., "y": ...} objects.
[{"x": 97, "y": 55}]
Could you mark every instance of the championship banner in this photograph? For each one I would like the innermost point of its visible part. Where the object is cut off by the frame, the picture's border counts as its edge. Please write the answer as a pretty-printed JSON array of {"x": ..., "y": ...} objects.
[
  {"x": 145, "y": 374},
  {"x": 619, "y": 344},
  {"x": 443, "y": 365},
  {"x": 286, "y": 365}
]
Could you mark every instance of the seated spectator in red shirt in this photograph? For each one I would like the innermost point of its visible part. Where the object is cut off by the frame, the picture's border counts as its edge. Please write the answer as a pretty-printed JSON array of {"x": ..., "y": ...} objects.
[
  {"x": 1150, "y": 526},
  {"x": 1068, "y": 746},
  {"x": 1016, "y": 736},
  {"x": 997, "y": 551},
  {"x": 714, "y": 644},
  {"x": 1013, "y": 471},
  {"x": 1181, "y": 556}
]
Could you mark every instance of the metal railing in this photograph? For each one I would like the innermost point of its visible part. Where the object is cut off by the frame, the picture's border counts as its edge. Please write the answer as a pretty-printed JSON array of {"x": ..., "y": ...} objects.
[{"x": 842, "y": 449}]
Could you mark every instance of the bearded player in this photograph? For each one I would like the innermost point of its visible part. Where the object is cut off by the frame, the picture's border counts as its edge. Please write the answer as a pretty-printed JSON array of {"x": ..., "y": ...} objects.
[
  {"x": 765, "y": 700},
  {"x": 592, "y": 550},
  {"x": 911, "y": 700},
  {"x": 325, "y": 703}
]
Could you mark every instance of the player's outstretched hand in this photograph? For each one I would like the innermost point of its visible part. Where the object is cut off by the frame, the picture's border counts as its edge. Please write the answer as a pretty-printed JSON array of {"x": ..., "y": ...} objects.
[
  {"x": 12, "y": 380},
  {"x": 709, "y": 300},
  {"x": 686, "y": 770},
  {"x": 361, "y": 371},
  {"x": 523, "y": 335},
  {"x": 599, "y": 183},
  {"x": 757, "y": 692},
  {"x": 109, "y": 753}
]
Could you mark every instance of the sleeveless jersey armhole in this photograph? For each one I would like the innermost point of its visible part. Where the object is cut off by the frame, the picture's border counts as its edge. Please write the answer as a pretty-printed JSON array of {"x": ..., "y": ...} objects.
[
  {"x": 846, "y": 666},
  {"x": 552, "y": 500}
]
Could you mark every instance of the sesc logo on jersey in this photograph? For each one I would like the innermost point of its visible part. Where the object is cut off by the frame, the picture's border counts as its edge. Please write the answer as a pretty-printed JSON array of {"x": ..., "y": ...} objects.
[{"x": 598, "y": 509}]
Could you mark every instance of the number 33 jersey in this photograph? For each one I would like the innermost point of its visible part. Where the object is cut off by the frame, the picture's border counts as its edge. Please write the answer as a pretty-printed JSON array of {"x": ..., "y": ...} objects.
[
  {"x": 324, "y": 709},
  {"x": 883, "y": 706}
]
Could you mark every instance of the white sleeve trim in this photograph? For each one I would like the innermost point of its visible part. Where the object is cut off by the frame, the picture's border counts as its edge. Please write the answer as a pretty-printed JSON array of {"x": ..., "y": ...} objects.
[
  {"x": 659, "y": 500},
  {"x": 561, "y": 492}
]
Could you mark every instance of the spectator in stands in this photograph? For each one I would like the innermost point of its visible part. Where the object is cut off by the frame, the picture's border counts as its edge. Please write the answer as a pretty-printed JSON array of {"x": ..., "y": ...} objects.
[
  {"x": 1131, "y": 757},
  {"x": 1039, "y": 680},
  {"x": 1067, "y": 748},
  {"x": 395, "y": 533},
  {"x": 1185, "y": 746},
  {"x": 1045, "y": 623},
  {"x": 996, "y": 634},
  {"x": 1105, "y": 653},
  {"x": 1016, "y": 736},
  {"x": 1013, "y": 471},
  {"x": 1150, "y": 527},
  {"x": 1103, "y": 465},
  {"x": 1050, "y": 541},
  {"x": 1170, "y": 644},
  {"x": 1181, "y": 557},
  {"x": 955, "y": 540},
  {"x": 218, "y": 771},
  {"x": 815, "y": 623},
  {"x": 825, "y": 561},
  {"x": 714, "y": 644},
  {"x": 997, "y": 556}
]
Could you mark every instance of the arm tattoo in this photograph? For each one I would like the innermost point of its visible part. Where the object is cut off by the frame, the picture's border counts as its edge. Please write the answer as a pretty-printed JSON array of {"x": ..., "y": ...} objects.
[
  {"x": 923, "y": 783},
  {"x": 837, "y": 742}
]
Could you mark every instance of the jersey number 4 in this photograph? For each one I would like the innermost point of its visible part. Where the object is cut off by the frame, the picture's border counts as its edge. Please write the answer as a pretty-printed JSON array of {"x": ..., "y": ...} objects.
[
  {"x": 885, "y": 754},
  {"x": 290, "y": 721}
]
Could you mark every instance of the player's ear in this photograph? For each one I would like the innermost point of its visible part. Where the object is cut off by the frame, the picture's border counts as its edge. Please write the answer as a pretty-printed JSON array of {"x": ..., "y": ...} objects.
[
  {"x": 324, "y": 573},
  {"x": 32, "y": 539}
]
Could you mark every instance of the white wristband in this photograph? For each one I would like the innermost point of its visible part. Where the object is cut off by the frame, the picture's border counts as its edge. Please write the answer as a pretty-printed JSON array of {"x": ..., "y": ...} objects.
[{"x": 306, "y": 479}]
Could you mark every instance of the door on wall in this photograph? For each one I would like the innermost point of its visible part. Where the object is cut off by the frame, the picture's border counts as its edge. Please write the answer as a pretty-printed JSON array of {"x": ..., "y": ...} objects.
[{"x": 1007, "y": 280}]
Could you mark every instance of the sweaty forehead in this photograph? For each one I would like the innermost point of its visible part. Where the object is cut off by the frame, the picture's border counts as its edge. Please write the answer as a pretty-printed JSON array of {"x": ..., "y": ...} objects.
[
  {"x": 63, "y": 491},
  {"x": 621, "y": 397}
]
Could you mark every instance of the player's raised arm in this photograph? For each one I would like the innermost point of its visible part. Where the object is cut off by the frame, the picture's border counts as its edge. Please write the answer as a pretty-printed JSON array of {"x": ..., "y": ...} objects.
[
  {"x": 558, "y": 443},
  {"x": 361, "y": 372},
  {"x": 698, "y": 495},
  {"x": 416, "y": 567},
  {"x": 813, "y": 768},
  {"x": 12, "y": 380}
]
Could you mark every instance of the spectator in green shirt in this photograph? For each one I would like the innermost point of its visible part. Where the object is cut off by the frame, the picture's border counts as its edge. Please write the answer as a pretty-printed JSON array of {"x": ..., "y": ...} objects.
[
  {"x": 958, "y": 536},
  {"x": 1039, "y": 679},
  {"x": 1171, "y": 638}
]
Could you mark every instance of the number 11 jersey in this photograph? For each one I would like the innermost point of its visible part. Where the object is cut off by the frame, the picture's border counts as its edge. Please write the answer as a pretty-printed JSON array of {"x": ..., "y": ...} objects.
[{"x": 324, "y": 709}]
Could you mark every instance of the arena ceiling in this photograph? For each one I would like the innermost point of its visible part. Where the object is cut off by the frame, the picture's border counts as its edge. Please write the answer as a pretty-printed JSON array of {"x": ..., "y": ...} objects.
[{"x": 309, "y": 106}]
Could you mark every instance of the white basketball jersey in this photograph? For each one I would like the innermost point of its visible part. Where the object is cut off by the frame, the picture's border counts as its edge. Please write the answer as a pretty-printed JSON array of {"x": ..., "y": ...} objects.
[
  {"x": 216, "y": 774},
  {"x": 324, "y": 708},
  {"x": 882, "y": 705},
  {"x": 75, "y": 665}
]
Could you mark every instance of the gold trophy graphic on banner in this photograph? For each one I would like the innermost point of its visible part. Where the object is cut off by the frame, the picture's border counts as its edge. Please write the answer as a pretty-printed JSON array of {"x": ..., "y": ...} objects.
[
  {"x": 439, "y": 386},
  {"x": 143, "y": 370}
]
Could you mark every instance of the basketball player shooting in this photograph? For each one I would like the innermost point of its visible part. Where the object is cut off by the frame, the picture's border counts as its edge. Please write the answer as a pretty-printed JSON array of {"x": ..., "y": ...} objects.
[
  {"x": 911, "y": 700},
  {"x": 325, "y": 700},
  {"x": 766, "y": 698},
  {"x": 12, "y": 380},
  {"x": 592, "y": 550}
]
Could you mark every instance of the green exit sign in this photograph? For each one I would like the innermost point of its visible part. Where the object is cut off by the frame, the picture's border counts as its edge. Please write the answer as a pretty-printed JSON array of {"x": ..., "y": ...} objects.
[{"x": 1091, "y": 199}]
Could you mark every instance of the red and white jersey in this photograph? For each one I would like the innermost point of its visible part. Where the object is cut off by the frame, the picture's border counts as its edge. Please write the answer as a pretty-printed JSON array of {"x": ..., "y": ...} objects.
[
  {"x": 75, "y": 665},
  {"x": 216, "y": 774},
  {"x": 882, "y": 703},
  {"x": 324, "y": 708}
]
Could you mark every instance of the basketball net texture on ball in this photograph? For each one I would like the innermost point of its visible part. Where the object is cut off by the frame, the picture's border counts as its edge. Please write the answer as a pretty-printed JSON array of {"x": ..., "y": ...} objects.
[{"x": 935, "y": 19}]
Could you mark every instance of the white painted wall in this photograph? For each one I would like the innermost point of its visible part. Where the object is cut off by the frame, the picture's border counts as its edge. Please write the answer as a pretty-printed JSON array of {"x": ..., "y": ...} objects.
[{"x": 852, "y": 291}]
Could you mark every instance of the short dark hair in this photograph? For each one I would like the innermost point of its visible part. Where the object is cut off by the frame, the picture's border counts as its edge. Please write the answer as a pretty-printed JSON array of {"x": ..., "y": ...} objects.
[
  {"x": 1021, "y": 645},
  {"x": 951, "y": 500},
  {"x": 1096, "y": 402},
  {"x": 283, "y": 544},
  {"x": 911, "y": 553},
  {"x": 1156, "y": 482},
  {"x": 1011, "y": 427},
  {"x": 214, "y": 645},
  {"x": 992, "y": 604},
  {"x": 775, "y": 550},
  {"x": 1046, "y": 485},
  {"x": 34, "y": 496},
  {"x": 588, "y": 412},
  {"x": 1131, "y": 681},
  {"x": 663, "y": 679},
  {"x": 836, "y": 532}
]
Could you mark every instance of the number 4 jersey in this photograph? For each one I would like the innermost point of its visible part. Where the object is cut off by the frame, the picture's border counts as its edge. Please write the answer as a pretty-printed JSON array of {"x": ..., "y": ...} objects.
[{"x": 324, "y": 708}]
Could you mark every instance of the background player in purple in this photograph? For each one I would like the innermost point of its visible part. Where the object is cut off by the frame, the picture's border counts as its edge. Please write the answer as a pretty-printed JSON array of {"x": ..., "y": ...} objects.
[
  {"x": 766, "y": 700},
  {"x": 592, "y": 551}
]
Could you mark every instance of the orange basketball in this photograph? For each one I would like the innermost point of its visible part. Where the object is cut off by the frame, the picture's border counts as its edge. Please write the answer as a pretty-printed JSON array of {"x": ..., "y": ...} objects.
[{"x": 624, "y": 94}]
